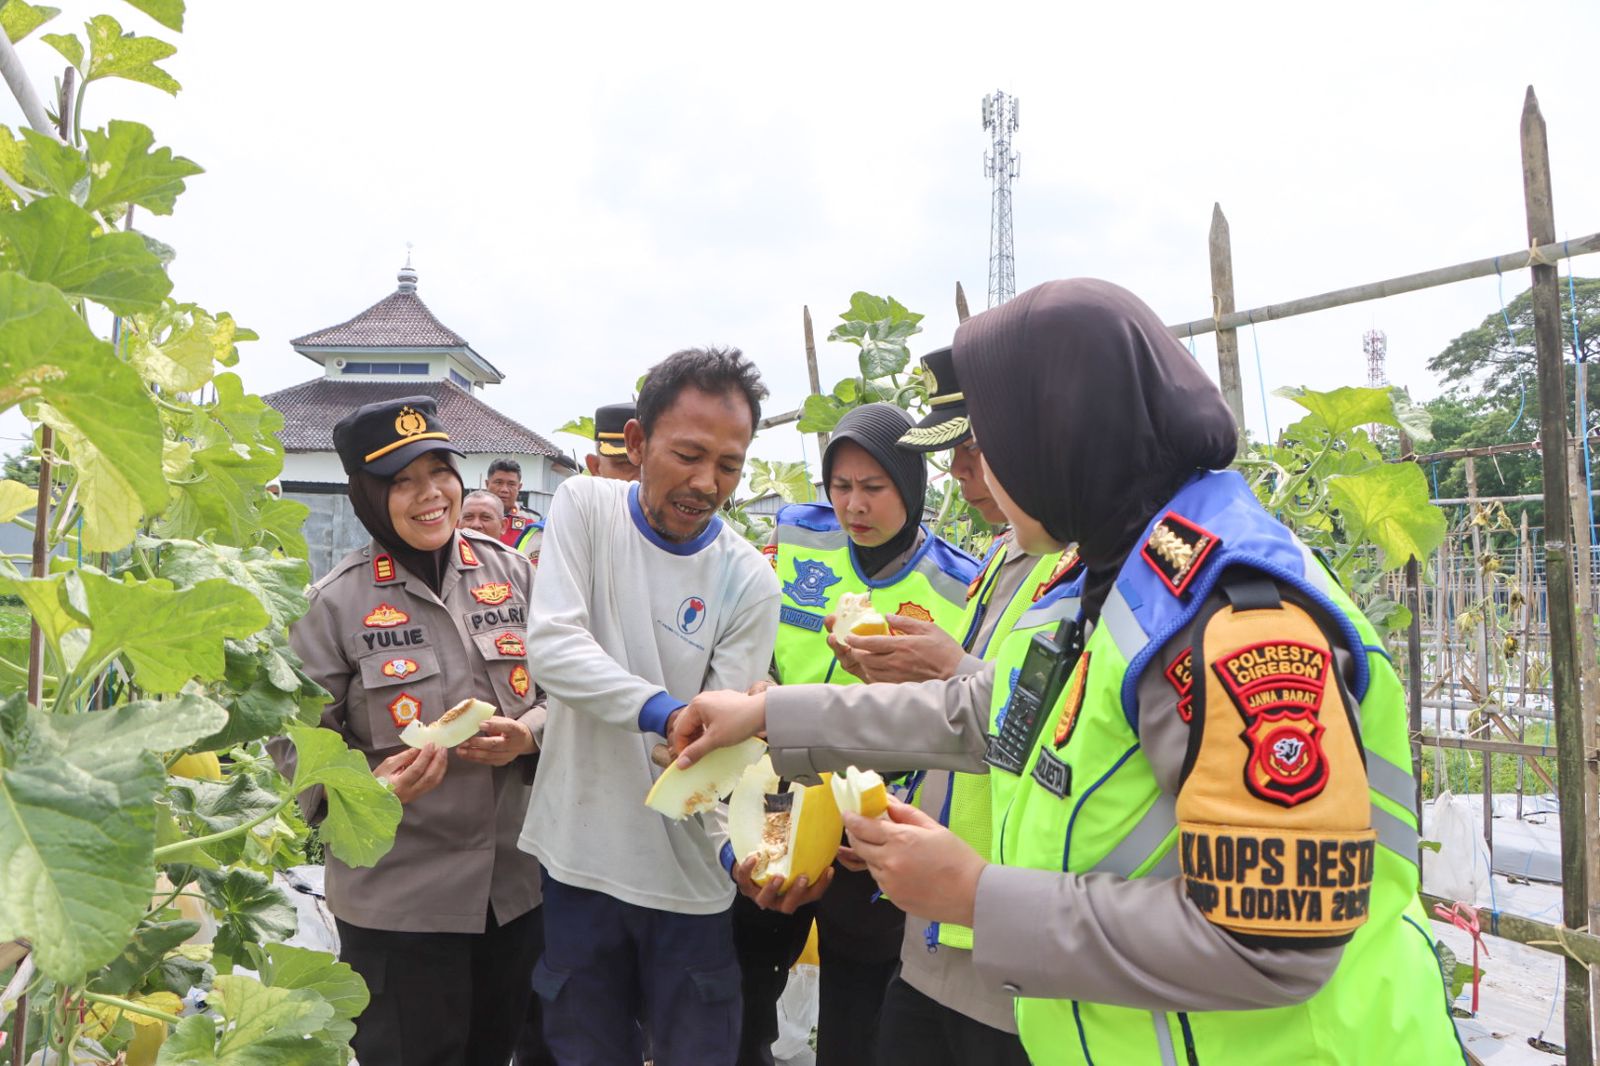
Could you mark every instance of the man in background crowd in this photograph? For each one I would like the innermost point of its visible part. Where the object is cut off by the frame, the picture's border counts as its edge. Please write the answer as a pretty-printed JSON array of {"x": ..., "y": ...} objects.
[
  {"x": 610, "y": 457},
  {"x": 521, "y": 529},
  {"x": 481, "y": 510}
]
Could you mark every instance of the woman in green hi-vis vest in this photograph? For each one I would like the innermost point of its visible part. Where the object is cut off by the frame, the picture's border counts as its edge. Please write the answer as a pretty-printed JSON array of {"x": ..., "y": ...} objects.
[
  {"x": 869, "y": 538},
  {"x": 1207, "y": 852}
]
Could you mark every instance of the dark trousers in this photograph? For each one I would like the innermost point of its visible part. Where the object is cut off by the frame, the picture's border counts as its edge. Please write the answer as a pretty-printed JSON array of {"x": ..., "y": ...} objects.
[
  {"x": 441, "y": 999},
  {"x": 848, "y": 1007},
  {"x": 768, "y": 943},
  {"x": 610, "y": 966},
  {"x": 531, "y": 1048},
  {"x": 916, "y": 1028}
]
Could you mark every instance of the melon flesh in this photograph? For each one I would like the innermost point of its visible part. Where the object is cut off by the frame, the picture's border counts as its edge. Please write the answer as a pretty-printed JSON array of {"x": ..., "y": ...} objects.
[
  {"x": 855, "y": 617},
  {"x": 454, "y": 726},
  {"x": 861, "y": 791},
  {"x": 678, "y": 793},
  {"x": 788, "y": 844}
]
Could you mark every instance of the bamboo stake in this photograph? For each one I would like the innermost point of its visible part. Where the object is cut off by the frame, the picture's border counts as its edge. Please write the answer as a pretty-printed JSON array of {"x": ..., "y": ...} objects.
[
  {"x": 1221, "y": 245},
  {"x": 962, "y": 314},
  {"x": 811, "y": 371},
  {"x": 1525, "y": 583},
  {"x": 1481, "y": 659},
  {"x": 1572, "y": 766}
]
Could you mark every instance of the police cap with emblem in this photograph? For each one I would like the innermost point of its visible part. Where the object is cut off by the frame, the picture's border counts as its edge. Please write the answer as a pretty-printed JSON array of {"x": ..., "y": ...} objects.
[
  {"x": 383, "y": 438},
  {"x": 946, "y": 424},
  {"x": 608, "y": 423}
]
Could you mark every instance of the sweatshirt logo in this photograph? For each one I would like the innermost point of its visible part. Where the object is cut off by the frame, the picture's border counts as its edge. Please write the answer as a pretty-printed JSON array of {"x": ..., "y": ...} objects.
[{"x": 691, "y": 615}]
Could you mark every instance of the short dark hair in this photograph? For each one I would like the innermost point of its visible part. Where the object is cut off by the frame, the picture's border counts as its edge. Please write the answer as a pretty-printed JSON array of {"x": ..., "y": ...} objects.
[
  {"x": 713, "y": 370},
  {"x": 510, "y": 466}
]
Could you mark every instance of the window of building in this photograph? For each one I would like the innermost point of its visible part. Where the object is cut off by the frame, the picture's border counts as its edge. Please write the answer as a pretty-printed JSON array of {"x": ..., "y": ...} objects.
[
  {"x": 386, "y": 368},
  {"x": 461, "y": 379}
]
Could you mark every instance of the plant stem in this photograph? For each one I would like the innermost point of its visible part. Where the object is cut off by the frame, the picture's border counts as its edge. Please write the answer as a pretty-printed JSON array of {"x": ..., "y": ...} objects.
[
  {"x": 225, "y": 834},
  {"x": 131, "y": 1007}
]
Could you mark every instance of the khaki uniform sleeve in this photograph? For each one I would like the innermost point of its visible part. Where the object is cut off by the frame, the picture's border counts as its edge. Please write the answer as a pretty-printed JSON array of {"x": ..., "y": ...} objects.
[
  {"x": 315, "y": 638},
  {"x": 926, "y": 725},
  {"x": 1149, "y": 943}
]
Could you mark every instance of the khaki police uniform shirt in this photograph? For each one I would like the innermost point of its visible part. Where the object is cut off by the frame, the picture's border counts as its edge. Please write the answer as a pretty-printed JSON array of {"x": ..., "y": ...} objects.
[
  {"x": 1094, "y": 937},
  {"x": 389, "y": 650}
]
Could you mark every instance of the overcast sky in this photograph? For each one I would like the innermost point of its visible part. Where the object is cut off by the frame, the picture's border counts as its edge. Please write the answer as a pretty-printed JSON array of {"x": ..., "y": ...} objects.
[{"x": 592, "y": 186}]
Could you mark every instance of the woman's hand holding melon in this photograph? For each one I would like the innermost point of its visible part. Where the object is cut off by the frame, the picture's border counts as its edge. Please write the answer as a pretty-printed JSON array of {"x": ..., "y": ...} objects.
[
  {"x": 715, "y": 720},
  {"x": 918, "y": 651},
  {"x": 499, "y": 740},
  {"x": 926, "y": 869},
  {"x": 413, "y": 772}
]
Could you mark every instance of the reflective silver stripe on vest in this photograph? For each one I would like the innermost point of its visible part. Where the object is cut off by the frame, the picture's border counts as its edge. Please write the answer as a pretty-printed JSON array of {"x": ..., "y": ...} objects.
[
  {"x": 1142, "y": 841},
  {"x": 1395, "y": 835},
  {"x": 1126, "y": 633},
  {"x": 1045, "y": 613},
  {"x": 816, "y": 539},
  {"x": 950, "y": 588},
  {"x": 1391, "y": 782},
  {"x": 1169, "y": 1057},
  {"x": 1315, "y": 572}
]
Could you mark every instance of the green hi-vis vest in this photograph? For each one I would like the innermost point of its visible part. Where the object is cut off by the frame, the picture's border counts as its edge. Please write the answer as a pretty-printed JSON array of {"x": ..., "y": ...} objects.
[
  {"x": 816, "y": 567},
  {"x": 1090, "y": 803},
  {"x": 968, "y": 807}
]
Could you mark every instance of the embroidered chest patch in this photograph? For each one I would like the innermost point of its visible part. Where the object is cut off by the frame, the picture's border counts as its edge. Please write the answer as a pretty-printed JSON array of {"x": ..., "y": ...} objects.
[
  {"x": 493, "y": 592},
  {"x": 404, "y": 709},
  {"x": 1176, "y": 549},
  {"x": 510, "y": 644},
  {"x": 914, "y": 610},
  {"x": 1073, "y": 702},
  {"x": 1180, "y": 675},
  {"x": 811, "y": 583},
  {"x": 401, "y": 668},
  {"x": 1277, "y": 687},
  {"x": 384, "y": 616},
  {"x": 519, "y": 679}
]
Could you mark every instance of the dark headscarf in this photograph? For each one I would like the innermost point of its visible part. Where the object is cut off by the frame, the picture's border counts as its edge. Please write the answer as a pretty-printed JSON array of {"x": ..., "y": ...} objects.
[
  {"x": 369, "y": 497},
  {"x": 876, "y": 427},
  {"x": 1090, "y": 413}
]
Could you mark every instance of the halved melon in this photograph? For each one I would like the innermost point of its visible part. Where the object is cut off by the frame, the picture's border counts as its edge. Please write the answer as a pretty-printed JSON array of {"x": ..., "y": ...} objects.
[
  {"x": 678, "y": 793},
  {"x": 861, "y": 791},
  {"x": 198, "y": 766},
  {"x": 454, "y": 726},
  {"x": 787, "y": 843},
  {"x": 855, "y": 616}
]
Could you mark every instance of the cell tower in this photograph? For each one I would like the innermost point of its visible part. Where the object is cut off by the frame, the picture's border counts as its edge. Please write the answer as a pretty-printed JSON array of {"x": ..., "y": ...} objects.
[
  {"x": 1004, "y": 166},
  {"x": 1375, "y": 343}
]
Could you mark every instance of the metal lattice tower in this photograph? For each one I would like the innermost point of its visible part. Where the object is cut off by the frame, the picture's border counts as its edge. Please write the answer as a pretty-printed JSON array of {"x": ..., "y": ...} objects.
[
  {"x": 1375, "y": 343},
  {"x": 1004, "y": 166}
]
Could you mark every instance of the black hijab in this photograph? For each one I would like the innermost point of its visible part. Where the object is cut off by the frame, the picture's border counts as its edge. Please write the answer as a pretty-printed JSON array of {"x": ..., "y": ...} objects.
[
  {"x": 369, "y": 498},
  {"x": 876, "y": 427},
  {"x": 1090, "y": 413}
]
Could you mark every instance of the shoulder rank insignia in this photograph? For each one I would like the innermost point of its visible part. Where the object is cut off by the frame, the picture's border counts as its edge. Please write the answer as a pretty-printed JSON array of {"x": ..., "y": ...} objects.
[
  {"x": 382, "y": 568},
  {"x": 519, "y": 679},
  {"x": 401, "y": 668},
  {"x": 384, "y": 616},
  {"x": 1176, "y": 549},
  {"x": 468, "y": 556},
  {"x": 405, "y": 709},
  {"x": 1073, "y": 701},
  {"x": 1180, "y": 675},
  {"x": 510, "y": 644},
  {"x": 1277, "y": 685},
  {"x": 811, "y": 583},
  {"x": 1065, "y": 567},
  {"x": 492, "y": 593},
  {"x": 914, "y": 610}
]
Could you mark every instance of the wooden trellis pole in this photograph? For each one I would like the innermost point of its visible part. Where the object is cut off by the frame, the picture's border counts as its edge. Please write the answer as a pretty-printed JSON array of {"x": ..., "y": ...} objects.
[{"x": 1222, "y": 305}]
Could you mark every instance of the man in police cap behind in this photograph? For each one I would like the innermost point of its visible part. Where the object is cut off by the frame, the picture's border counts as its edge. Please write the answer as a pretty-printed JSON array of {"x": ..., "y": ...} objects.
[{"x": 610, "y": 456}]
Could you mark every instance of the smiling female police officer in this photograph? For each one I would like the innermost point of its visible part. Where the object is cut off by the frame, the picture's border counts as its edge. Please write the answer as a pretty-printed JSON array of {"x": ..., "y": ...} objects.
[
  {"x": 445, "y": 928},
  {"x": 1206, "y": 848}
]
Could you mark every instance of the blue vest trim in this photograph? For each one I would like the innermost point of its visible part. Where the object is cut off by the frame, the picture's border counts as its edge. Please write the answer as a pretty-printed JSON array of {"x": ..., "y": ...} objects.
[
  {"x": 1066, "y": 849},
  {"x": 804, "y": 619},
  {"x": 1423, "y": 933},
  {"x": 1083, "y": 1040},
  {"x": 818, "y": 517},
  {"x": 1223, "y": 504}
]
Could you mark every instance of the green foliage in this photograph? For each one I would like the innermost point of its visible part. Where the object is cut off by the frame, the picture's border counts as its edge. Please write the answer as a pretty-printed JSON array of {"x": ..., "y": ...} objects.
[
  {"x": 162, "y": 620},
  {"x": 880, "y": 327},
  {"x": 790, "y": 481},
  {"x": 1328, "y": 481},
  {"x": 582, "y": 426}
]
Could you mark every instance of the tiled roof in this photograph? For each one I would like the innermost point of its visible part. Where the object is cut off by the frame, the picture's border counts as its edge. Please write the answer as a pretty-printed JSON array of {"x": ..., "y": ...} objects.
[
  {"x": 399, "y": 320},
  {"x": 311, "y": 408}
]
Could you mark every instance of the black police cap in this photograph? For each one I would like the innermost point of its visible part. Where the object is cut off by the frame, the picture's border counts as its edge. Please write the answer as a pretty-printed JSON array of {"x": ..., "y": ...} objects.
[
  {"x": 608, "y": 423},
  {"x": 383, "y": 438},
  {"x": 946, "y": 424}
]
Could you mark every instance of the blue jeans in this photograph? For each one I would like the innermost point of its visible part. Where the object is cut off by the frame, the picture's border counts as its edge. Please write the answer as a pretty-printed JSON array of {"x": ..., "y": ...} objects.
[{"x": 612, "y": 971}]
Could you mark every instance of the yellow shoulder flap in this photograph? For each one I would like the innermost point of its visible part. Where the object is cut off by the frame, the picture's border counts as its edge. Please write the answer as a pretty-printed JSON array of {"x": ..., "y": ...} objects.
[{"x": 1276, "y": 838}]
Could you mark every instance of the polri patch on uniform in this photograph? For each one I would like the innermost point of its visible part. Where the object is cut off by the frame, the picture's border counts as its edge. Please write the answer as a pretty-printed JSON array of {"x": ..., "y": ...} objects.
[
  {"x": 1072, "y": 703},
  {"x": 401, "y": 668},
  {"x": 1180, "y": 675},
  {"x": 382, "y": 569},
  {"x": 811, "y": 583},
  {"x": 1052, "y": 774},
  {"x": 1176, "y": 549},
  {"x": 1065, "y": 567},
  {"x": 519, "y": 679},
  {"x": 510, "y": 644},
  {"x": 385, "y": 616},
  {"x": 1277, "y": 686},
  {"x": 794, "y": 616},
  {"x": 492, "y": 592},
  {"x": 914, "y": 610},
  {"x": 404, "y": 709},
  {"x": 468, "y": 556}
]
